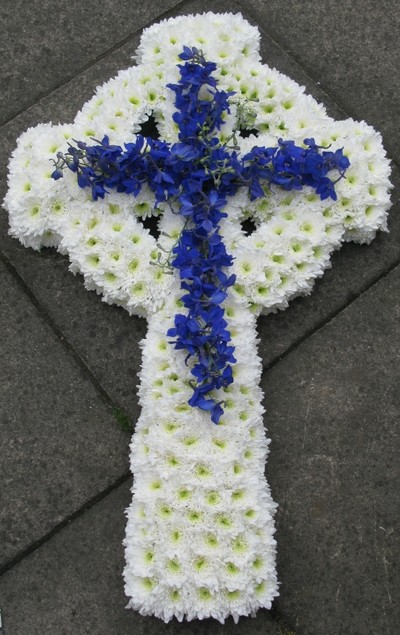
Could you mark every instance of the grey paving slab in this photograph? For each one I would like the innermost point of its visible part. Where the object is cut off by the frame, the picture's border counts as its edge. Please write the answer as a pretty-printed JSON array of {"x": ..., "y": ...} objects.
[
  {"x": 351, "y": 48},
  {"x": 59, "y": 443},
  {"x": 73, "y": 585},
  {"x": 44, "y": 43},
  {"x": 332, "y": 411},
  {"x": 106, "y": 338}
]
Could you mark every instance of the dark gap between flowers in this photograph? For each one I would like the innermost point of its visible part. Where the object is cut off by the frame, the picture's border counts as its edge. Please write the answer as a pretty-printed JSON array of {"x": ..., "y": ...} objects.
[
  {"x": 151, "y": 223},
  {"x": 248, "y": 226},
  {"x": 246, "y": 132},
  {"x": 149, "y": 128}
]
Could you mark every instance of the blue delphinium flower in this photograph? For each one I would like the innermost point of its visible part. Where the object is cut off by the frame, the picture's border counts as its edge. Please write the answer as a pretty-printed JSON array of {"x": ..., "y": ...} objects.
[{"x": 200, "y": 173}]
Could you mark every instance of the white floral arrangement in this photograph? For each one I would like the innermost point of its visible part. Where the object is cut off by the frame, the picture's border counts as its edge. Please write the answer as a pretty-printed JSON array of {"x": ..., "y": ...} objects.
[{"x": 200, "y": 531}]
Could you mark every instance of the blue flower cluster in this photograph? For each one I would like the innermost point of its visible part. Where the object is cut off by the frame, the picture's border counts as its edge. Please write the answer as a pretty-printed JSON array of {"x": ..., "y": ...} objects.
[
  {"x": 200, "y": 173},
  {"x": 200, "y": 254},
  {"x": 292, "y": 167},
  {"x": 103, "y": 167}
]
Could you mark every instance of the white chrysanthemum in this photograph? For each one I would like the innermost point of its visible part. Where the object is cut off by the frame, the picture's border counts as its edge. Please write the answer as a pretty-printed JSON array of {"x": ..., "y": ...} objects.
[{"x": 225, "y": 35}]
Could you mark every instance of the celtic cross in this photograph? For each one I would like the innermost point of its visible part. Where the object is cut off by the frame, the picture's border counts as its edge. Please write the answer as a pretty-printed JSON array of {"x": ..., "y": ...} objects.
[{"x": 199, "y": 538}]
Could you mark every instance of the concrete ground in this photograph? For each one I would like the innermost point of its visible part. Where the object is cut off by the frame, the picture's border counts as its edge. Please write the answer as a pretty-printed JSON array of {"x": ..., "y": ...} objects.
[{"x": 69, "y": 362}]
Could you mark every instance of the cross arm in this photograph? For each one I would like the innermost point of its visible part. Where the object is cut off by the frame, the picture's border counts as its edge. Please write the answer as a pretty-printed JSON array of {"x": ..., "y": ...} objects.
[{"x": 295, "y": 233}]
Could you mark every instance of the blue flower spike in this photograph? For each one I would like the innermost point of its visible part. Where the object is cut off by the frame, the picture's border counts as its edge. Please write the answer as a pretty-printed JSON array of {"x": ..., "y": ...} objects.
[{"x": 199, "y": 172}]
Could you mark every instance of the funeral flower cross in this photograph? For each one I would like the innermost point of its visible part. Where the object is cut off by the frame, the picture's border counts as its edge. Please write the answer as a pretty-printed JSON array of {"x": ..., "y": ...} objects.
[{"x": 236, "y": 141}]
